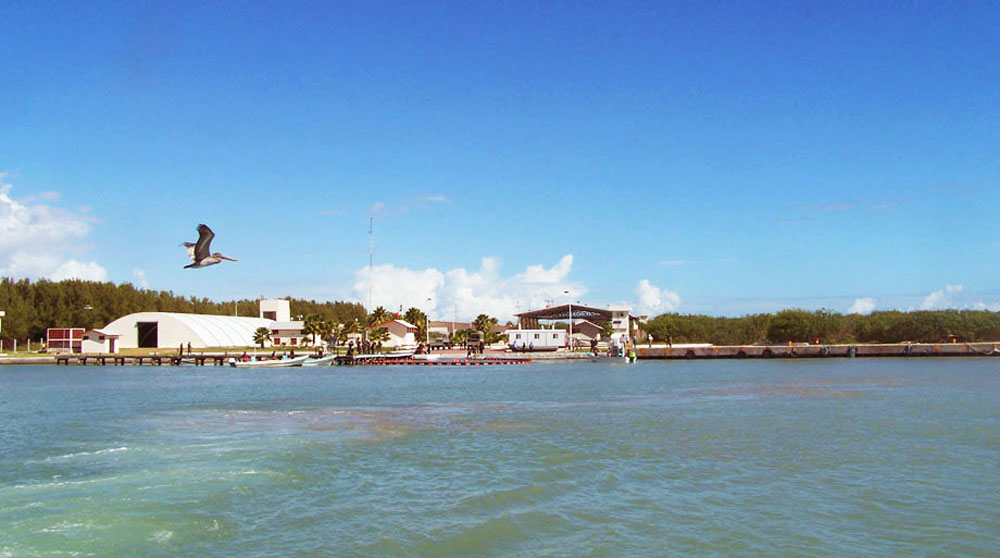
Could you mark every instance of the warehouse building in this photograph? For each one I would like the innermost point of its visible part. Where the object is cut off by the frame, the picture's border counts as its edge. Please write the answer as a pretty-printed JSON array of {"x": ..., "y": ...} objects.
[{"x": 171, "y": 330}]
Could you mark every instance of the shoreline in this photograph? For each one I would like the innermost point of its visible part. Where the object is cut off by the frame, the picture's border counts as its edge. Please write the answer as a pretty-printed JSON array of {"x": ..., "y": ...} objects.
[{"x": 653, "y": 352}]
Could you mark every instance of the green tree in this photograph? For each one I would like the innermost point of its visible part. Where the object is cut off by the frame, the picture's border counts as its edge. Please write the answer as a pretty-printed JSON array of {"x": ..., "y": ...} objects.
[
  {"x": 261, "y": 335},
  {"x": 378, "y": 316},
  {"x": 417, "y": 317},
  {"x": 484, "y": 323},
  {"x": 379, "y": 335},
  {"x": 315, "y": 327},
  {"x": 791, "y": 325},
  {"x": 606, "y": 329}
]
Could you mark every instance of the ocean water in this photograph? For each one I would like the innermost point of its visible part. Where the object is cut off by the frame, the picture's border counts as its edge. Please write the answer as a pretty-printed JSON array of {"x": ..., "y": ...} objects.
[{"x": 882, "y": 457}]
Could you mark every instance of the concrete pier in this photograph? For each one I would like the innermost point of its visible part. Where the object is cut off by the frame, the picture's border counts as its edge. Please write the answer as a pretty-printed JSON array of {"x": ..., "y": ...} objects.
[{"x": 821, "y": 351}]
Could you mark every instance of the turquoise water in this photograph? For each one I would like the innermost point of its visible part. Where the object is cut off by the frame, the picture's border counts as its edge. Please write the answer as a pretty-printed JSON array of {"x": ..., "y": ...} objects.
[{"x": 709, "y": 458}]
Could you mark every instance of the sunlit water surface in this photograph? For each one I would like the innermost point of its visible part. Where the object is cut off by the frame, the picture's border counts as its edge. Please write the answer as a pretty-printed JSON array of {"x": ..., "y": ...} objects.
[{"x": 714, "y": 458}]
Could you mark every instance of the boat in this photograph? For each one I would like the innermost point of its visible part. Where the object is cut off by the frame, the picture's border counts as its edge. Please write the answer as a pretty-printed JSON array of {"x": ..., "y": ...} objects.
[
  {"x": 604, "y": 357},
  {"x": 319, "y": 361},
  {"x": 273, "y": 363}
]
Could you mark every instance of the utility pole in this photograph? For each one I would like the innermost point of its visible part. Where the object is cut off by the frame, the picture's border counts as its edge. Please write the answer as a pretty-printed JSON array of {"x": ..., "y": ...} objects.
[
  {"x": 570, "y": 322},
  {"x": 427, "y": 322}
]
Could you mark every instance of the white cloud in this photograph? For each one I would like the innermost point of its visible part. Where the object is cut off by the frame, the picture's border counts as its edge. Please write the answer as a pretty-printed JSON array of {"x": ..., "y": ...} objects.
[
  {"x": 862, "y": 306},
  {"x": 942, "y": 298},
  {"x": 140, "y": 277},
  {"x": 468, "y": 293},
  {"x": 74, "y": 269},
  {"x": 651, "y": 299},
  {"x": 39, "y": 240}
]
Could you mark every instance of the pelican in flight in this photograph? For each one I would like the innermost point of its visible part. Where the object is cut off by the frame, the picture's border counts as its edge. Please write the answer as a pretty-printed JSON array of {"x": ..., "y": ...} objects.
[{"x": 199, "y": 251}]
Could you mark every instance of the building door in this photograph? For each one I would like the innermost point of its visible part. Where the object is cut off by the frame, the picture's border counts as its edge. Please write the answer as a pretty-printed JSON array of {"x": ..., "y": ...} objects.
[{"x": 148, "y": 335}]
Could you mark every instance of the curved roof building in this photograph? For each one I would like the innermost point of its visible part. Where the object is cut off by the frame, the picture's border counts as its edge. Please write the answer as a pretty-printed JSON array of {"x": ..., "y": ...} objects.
[{"x": 171, "y": 330}]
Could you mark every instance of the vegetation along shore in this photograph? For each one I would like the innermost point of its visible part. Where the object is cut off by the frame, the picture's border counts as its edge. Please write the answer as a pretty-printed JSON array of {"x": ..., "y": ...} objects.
[{"x": 33, "y": 306}]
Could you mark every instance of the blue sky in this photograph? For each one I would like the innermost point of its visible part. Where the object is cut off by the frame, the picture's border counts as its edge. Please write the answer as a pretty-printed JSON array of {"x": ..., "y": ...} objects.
[{"x": 702, "y": 157}]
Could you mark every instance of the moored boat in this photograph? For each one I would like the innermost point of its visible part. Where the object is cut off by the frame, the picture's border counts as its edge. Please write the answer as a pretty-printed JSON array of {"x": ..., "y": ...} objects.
[
  {"x": 273, "y": 363},
  {"x": 319, "y": 361}
]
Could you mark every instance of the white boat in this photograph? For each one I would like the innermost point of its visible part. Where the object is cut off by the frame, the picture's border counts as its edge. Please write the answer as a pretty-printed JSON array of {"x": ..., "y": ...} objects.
[
  {"x": 273, "y": 363},
  {"x": 319, "y": 361}
]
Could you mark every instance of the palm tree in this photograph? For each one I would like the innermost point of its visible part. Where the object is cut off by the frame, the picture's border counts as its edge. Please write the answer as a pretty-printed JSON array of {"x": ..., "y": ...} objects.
[
  {"x": 417, "y": 317},
  {"x": 378, "y": 316},
  {"x": 344, "y": 332},
  {"x": 260, "y": 335},
  {"x": 314, "y": 327},
  {"x": 484, "y": 323},
  {"x": 379, "y": 335}
]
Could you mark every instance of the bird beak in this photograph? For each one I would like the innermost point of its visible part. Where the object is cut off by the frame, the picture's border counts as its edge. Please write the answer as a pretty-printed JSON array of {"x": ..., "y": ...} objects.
[{"x": 228, "y": 258}]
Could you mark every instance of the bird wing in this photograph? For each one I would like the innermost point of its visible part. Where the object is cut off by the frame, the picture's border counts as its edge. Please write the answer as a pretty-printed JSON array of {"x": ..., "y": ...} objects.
[
  {"x": 202, "y": 247},
  {"x": 189, "y": 246}
]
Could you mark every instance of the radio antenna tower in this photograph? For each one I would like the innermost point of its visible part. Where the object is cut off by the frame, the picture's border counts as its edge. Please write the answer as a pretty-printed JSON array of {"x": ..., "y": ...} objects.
[{"x": 371, "y": 249}]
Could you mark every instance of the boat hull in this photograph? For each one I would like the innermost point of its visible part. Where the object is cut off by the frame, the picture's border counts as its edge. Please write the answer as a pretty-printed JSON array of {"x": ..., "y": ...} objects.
[{"x": 276, "y": 363}]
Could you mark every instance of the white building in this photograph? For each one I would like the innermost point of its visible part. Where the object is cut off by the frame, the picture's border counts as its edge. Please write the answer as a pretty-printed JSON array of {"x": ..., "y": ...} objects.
[
  {"x": 536, "y": 339},
  {"x": 99, "y": 341},
  {"x": 276, "y": 309},
  {"x": 621, "y": 328},
  {"x": 284, "y": 330},
  {"x": 401, "y": 333},
  {"x": 171, "y": 330},
  {"x": 287, "y": 333}
]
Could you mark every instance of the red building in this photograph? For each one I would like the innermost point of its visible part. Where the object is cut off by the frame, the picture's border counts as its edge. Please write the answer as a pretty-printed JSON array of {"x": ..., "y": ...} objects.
[{"x": 64, "y": 339}]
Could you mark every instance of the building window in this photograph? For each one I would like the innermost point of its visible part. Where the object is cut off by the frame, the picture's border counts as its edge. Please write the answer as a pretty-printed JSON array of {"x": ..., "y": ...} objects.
[{"x": 538, "y": 336}]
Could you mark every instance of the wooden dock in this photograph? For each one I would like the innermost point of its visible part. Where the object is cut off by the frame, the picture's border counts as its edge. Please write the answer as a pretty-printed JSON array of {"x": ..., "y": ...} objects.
[
  {"x": 821, "y": 351},
  {"x": 150, "y": 360}
]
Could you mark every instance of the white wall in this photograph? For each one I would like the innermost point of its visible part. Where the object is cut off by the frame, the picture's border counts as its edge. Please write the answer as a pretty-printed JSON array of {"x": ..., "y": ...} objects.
[
  {"x": 94, "y": 345},
  {"x": 282, "y": 309},
  {"x": 399, "y": 335},
  {"x": 538, "y": 338}
]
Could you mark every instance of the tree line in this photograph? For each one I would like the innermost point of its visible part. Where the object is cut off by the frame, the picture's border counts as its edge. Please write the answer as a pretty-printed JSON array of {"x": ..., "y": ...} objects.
[
  {"x": 33, "y": 306},
  {"x": 926, "y": 326}
]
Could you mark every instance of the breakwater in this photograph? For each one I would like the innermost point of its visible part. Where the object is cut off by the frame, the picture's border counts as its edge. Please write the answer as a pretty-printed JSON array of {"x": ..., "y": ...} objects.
[{"x": 821, "y": 351}]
